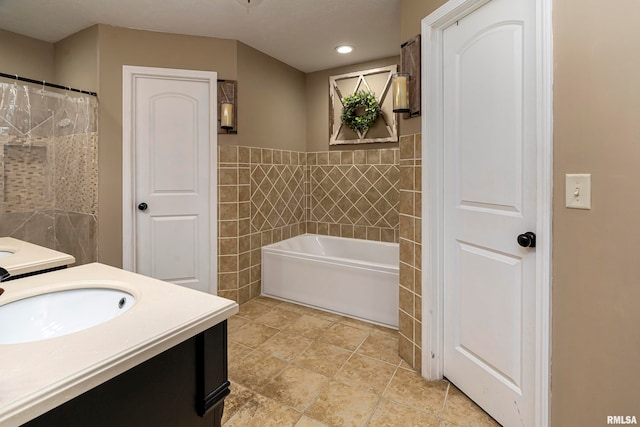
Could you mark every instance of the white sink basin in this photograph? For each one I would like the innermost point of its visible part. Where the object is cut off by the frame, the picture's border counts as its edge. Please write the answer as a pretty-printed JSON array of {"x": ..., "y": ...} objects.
[
  {"x": 55, "y": 314},
  {"x": 4, "y": 254}
]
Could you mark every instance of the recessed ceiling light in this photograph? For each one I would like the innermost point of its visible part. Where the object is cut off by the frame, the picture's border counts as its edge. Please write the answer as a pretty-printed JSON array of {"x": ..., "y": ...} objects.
[{"x": 344, "y": 49}]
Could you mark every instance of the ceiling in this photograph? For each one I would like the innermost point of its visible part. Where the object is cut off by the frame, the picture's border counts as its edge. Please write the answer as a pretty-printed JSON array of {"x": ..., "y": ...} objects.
[{"x": 301, "y": 33}]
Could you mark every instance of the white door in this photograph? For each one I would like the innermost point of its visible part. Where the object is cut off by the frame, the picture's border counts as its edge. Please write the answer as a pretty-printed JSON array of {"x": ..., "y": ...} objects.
[
  {"x": 173, "y": 187},
  {"x": 489, "y": 199}
]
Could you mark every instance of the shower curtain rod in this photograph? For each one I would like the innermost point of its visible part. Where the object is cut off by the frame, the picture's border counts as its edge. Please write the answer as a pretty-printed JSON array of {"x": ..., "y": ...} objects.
[{"x": 43, "y": 83}]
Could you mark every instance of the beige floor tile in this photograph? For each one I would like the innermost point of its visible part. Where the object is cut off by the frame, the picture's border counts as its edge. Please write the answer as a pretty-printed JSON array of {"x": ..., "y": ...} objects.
[
  {"x": 382, "y": 346},
  {"x": 285, "y": 346},
  {"x": 309, "y": 326},
  {"x": 445, "y": 423},
  {"x": 237, "y": 351},
  {"x": 323, "y": 358},
  {"x": 409, "y": 388},
  {"x": 256, "y": 370},
  {"x": 295, "y": 307},
  {"x": 303, "y": 360},
  {"x": 263, "y": 412},
  {"x": 234, "y": 323},
  {"x": 271, "y": 302},
  {"x": 462, "y": 411},
  {"x": 309, "y": 422},
  {"x": 253, "y": 334},
  {"x": 236, "y": 400},
  {"x": 344, "y": 336},
  {"x": 364, "y": 372},
  {"x": 341, "y": 405},
  {"x": 332, "y": 317},
  {"x": 392, "y": 414},
  {"x": 310, "y": 311},
  {"x": 278, "y": 318},
  {"x": 405, "y": 365},
  {"x": 295, "y": 387},
  {"x": 366, "y": 326},
  {"x": 252, "y": 310}
]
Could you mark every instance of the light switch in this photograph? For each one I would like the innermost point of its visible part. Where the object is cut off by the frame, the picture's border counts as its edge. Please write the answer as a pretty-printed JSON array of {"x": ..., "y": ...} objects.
[{"x": 578, "y": 190}]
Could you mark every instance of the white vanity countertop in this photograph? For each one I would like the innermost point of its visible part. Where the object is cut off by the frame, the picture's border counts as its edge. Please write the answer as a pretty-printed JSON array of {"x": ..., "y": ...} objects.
[
  {"x": 27, "y": 257},
  {"x": 38, "y": 376}
]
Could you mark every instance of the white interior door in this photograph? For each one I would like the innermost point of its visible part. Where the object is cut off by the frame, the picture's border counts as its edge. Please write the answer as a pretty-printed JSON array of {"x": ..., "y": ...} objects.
[
  {"x": 173, "y": 186},
  {"x": 489, "y": 200}
]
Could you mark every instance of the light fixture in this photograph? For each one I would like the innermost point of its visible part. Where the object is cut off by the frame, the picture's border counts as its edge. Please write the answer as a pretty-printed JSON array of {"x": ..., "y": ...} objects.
[
  {"x": 249, "y": 3},
  {"x": 400, "y": 93},
  {"x": 344, "y": 49},
  {"x": 226, "y": 115},
  {"x": 227, "y": 107}
]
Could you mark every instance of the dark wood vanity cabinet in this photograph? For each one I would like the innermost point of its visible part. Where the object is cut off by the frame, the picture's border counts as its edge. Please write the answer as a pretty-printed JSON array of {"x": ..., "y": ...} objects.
[{"x": 183, "y": 387}]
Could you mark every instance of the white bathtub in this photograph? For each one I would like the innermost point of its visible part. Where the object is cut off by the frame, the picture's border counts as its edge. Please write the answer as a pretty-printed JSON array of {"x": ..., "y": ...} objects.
[{"x": 353, "y": 277}]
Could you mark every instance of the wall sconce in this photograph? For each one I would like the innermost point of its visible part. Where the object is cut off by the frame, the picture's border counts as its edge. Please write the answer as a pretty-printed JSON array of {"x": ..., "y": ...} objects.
[
  {"x": 401, "y": 93},
  {"x": 227, "y": 106},
  {"x": 406, "y": 85}
]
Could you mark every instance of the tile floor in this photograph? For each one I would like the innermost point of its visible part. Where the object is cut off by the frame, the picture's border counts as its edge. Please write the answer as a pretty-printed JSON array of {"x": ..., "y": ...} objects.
[{"x": 290, "y": 365}]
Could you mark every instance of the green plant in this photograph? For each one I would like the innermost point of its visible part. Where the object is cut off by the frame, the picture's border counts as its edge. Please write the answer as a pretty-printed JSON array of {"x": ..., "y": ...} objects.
[{"x": 360, "y": 111}]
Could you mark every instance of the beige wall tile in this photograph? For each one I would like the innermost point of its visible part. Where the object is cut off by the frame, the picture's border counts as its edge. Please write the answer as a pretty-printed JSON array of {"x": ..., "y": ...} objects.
[
  {"x": 228, "y": 263},
  {"x": 406, "y": 301},
  {"x": 373, "y": 157},
  {"x": 227, "y": 176},
  {"x": 228, "y": 246},
  {"x": 227, "y": 228},
  {"x": 406, "y": 276},
  {"x": 244, "y": 155},
  {"x": 227, "y": 281},
  {"x": 227, "y": 194},
  {"x": 334, "y": 157},
  {"x": 346, "y": 157},
  {"x": 227, "y": 154},
  {"x": 405, "y": 349}
]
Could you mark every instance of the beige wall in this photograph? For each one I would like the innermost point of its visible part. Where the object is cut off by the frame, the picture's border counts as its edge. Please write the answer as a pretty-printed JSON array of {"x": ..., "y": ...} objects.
[
  {"x": 76, "y": 60},
  {"x": 26, "y": 57},
  {"x": 118, "y": 47},
  {"x": 272, "y": 104},
  {"x": 596, "y": 273},
  {"x": 317, "y": 95}
]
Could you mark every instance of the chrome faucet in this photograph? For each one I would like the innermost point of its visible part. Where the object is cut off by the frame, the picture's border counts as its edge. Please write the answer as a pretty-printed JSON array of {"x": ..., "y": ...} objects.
[{"x": 4, "y": 275}]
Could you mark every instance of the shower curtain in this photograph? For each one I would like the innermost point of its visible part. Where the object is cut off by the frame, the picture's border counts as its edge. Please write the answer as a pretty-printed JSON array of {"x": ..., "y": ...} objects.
[{"x": 49, "y": 168}]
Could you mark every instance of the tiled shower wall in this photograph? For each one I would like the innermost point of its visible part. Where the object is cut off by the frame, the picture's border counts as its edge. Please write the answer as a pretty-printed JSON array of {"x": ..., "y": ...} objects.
[
  {"x": 266, "y": 195},
  {"x": 410, "y": 298},
  {"x": 48, "y": 177}
]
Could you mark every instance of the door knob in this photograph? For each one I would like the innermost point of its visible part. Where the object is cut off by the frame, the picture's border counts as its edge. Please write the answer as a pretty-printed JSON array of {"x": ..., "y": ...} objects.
[
  {"x": 143, "y": 206},
  {"x": 527, "y": 240}
]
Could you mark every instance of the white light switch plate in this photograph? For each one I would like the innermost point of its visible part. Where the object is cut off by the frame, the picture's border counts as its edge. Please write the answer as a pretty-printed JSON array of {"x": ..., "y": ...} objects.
[{"x": 578, "y": 190}]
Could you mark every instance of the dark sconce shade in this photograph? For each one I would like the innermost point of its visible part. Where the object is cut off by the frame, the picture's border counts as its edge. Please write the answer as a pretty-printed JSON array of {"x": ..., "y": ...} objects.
[
  {"x": 226, "y": 115},
  {"x": 400, "y": 92}
]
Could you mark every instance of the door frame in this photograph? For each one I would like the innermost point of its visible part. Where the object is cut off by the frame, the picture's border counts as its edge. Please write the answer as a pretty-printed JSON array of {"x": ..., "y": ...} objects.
[
  {"x": 129, "y": 75},
  {"x": 433, "y": 27}
]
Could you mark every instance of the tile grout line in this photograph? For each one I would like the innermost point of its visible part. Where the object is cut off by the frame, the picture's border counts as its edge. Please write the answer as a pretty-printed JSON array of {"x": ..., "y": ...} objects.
[{"x": 382, "y": 393}]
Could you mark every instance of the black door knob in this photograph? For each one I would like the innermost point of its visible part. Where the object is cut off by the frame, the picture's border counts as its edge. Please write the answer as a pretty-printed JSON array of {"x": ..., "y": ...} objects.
[
  {"x": 143, "y": 206},
  {"x": 527, "y": 240}
]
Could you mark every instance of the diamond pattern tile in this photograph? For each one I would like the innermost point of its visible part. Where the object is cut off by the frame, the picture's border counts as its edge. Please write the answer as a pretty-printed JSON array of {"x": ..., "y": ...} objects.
[
  {"x": 277, "y": 195},
  {"x": 355, "y": 194}
]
